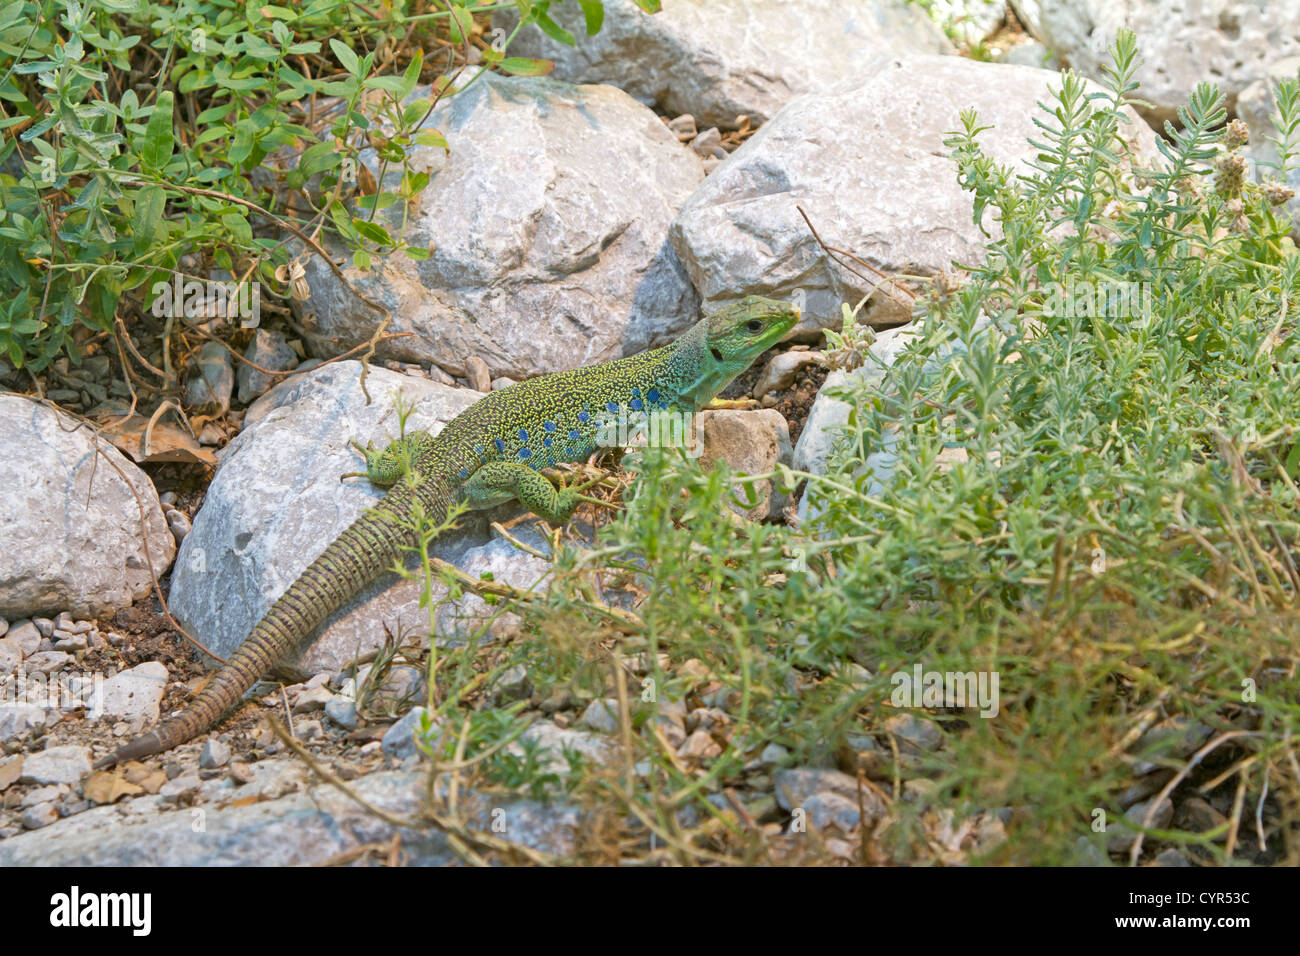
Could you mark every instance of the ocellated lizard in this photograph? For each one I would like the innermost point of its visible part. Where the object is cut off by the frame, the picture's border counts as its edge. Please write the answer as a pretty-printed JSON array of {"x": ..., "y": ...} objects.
[{"x": 490, "y": 453}]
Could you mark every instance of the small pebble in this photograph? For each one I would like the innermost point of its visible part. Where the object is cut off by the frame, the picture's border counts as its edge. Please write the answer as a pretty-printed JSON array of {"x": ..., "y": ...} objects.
[
  {"x": 33, "y": 818},
  {"x": 215, "y": 754},
  {"x": 480, "y": 377}
]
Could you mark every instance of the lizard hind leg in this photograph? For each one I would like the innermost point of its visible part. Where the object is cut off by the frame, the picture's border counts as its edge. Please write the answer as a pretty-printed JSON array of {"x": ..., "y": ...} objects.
[
  {"x": 498, "y": 482},
  {"x": 385, "y": 468}
]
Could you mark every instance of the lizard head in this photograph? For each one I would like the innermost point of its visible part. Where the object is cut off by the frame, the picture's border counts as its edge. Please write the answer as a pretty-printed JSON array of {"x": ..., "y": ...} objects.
[{"x": 741, "y": 332}]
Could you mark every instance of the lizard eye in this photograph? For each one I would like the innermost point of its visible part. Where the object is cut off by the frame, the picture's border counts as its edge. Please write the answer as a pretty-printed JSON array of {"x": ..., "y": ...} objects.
[{"x": 754, "y": 326}]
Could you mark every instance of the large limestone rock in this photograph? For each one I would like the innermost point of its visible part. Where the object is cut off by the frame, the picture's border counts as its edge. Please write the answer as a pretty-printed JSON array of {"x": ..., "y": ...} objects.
[
  {"x": 72, "y": 511},
  {"x": 548, "y": 223},
  {"x": 298, "y": 829},
  {"x": 276, "y": 503},
  {"x": 867, "y": 163},
  {"x": 1228, "y": 42},
  {"x": 725, "y": 58},
  {"x": 829, "y": 415}
]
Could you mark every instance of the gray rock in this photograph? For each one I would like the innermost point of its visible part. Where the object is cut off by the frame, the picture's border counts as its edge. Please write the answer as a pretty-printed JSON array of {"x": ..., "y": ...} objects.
[
  {"x": 42, "y": 815},
  {"x": 683, "y": 127},
  {"x": 26, "y": 636},
  {"x": 45, "y": 662},
  {"x": 707, "y": 142},
  {"x": 44, "y": 794},
  {"x": 213, "y": 381},
  {"x": 134, "y": 693},
  {"x": 1182, "y": 44},
  {"x": 552, "y": 741},
  {"x": 725, "y": 58},
  {"x": 828, "y": 415},
  {"x": 1120, "y": 839},
  {"x": 73, "y": 538},
  {"x": 512, "y": 684},
  {"x": 178, "y": 523},
  {"x": 796, "y": 784},
  {"x": 65, "y": 623},
  {"x": 44, "y": 625},
  {"x": 550, "y": 241},
  {"x": 298, "y": 829},
  {"x": 70, "y": 642},
  {"x": 276, "y": 503},
  {"x": 17, "y": 719},
  {"x": 478, "y": 373},
  {"x": 399, "y": 741},
  {"x": 924, "y": 735},
  {"x": 181, "y": 783},
  {"x": 307, "y": 728},
  {"x": 780, "y": 371},
  {"x": 1031, "y": 53},
  {"x": 1174, "y": 737},
  {"x": 342, "y": 711},
  {"x": 214, "y": 754},
  {"x": 700, "y": 745},
  {"x": 812, "y": 789},
  {"x": 64, "y": 764},
  {"x": 1088, "y": 853},
  {"x": 827, "y": 809},
  {"x": 312, "y": 700},
  {"x": 460, "y": 619},
  {"x": 269, "y": 350},
  {"x": 601, "y": 715},
  {"x": 1171, "y": 858},
  {"x": 401, "y": 684},
  {"x": 751, "y": 443},
  {"x": 11, "y": 655},
  {"x": 866, "y": 162}
]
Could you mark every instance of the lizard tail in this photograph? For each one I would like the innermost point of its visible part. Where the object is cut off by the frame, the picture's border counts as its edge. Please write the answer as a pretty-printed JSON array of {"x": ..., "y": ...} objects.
[{"x": 354, "y": 559}]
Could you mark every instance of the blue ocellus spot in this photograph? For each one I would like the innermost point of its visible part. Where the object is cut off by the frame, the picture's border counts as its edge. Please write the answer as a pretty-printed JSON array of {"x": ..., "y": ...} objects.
[
  {"x": 635, "y": 404},
  {"x": 501, "y": 446},
  {"x": 523, "y": 434},
  {"x": 611, "y": 407},
  {"x": 525, "y": 453},
  {"x": 584, "y": 415},
  {"x": 653, "y": 394},
  {"x": 547, "y": 441},
  {"x": 464, "y": 473},
  {"x": 478, "y": 449},
  {"x": 574, "y": 434},
  {"x": 549, "y": 426}
]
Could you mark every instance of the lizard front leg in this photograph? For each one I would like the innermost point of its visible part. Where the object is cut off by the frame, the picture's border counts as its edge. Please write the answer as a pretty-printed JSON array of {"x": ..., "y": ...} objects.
[
  {"x": 384, "y": 468},
  {"x": 500, "y": 481}
]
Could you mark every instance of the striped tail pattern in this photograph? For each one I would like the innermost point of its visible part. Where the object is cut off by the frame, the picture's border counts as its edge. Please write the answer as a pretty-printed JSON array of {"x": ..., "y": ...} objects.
[{"x": 356, "y": 557}]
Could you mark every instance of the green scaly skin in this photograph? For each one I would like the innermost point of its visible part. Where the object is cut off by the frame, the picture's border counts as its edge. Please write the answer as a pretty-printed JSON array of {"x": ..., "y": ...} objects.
[{"x": 489, "y": 454}]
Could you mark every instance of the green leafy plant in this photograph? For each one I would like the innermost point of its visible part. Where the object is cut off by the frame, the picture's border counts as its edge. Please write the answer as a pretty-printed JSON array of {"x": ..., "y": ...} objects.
[
  {"x": 1079, "y": 476},
  {"x": 137, "y": 137}
]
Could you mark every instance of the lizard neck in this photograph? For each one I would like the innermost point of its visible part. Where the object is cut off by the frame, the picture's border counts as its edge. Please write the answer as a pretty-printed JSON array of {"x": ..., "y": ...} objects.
[{"x": 699, "y": 375}]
